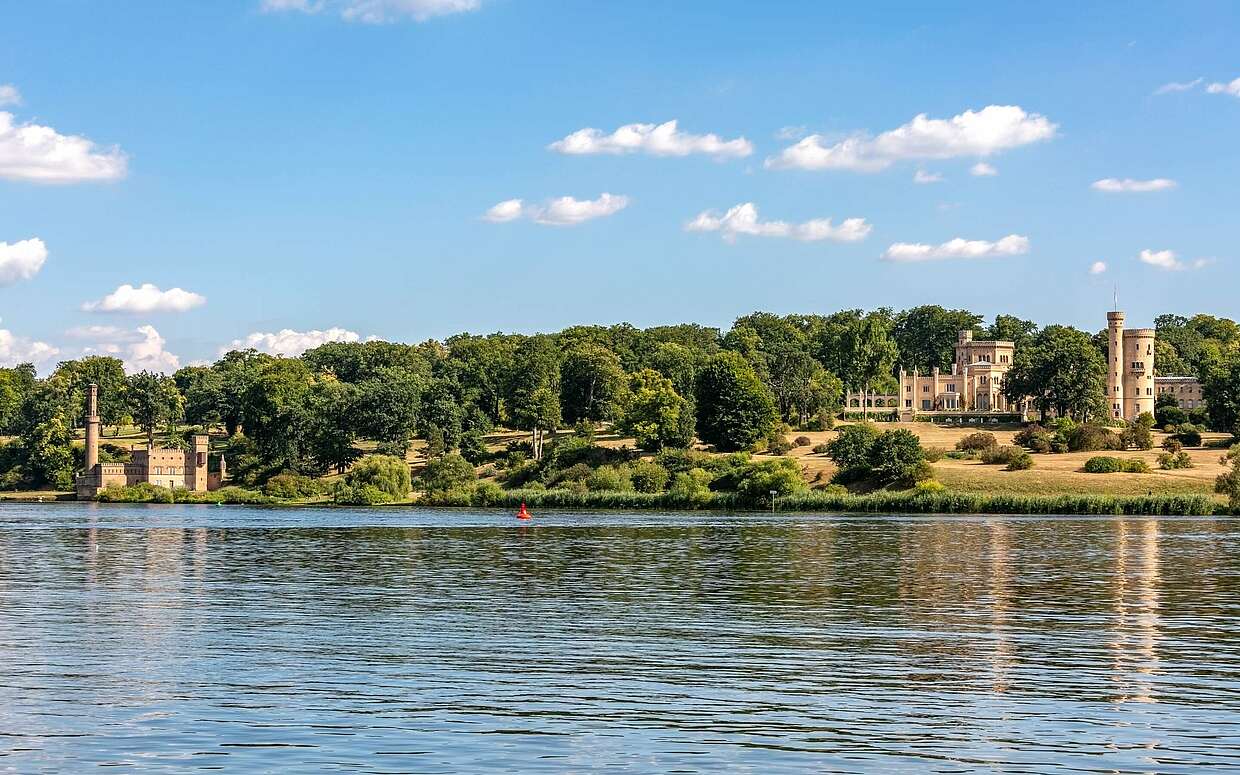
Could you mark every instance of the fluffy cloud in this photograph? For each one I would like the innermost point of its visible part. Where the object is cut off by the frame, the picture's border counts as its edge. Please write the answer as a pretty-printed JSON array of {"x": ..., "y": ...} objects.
[
  {"x": 905, "y": 252},
  {"x": 983, "y": 170},
  {"x": 144, "y": 299},
  {"x": 990, "y": 130},
  {"x": 31, "y": 152},
  {"x": 921, "y": 176},
  {"x": 1232, "y": 88},
  {"x": 790, "y": 133},
  {"x": 743, "y": 219},
  {"x": 1167, "y": 260},
  {"x": 291, "y": 343},
  {"x": 139, "y": 349},
  {"x": 1098, "y": 267},
  {"x": 18, "y": 349},
  {"x": 657, "y": 140},
  {"x": 21, "y": 260},
  {"x": 562, "y": 211},
  {"x": 375, "y": 11},
  {"x": 9, "y": 95},
  {"x": 1128, "y": 185}
]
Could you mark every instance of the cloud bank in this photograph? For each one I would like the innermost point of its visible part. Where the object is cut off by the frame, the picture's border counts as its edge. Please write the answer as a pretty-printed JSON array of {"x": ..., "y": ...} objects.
[
  {"x": 562, "y": 211},
  {"x": 39, "y": 154},
  {"x": 290, "y": 343},
  {"x": 1128, "y": 185},
  {"x": 375, "y": 11},
  {"x": 985, "y": 132},
  {"x": 911, "y": 252},
  {"x": 21, "y": 260},
  {"x": 656, "y": 140},
  {"x": 743, "y": 219}
]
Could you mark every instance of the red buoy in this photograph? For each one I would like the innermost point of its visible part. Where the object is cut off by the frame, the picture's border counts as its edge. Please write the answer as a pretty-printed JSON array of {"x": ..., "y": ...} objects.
[{"x": 524, "y": 512}]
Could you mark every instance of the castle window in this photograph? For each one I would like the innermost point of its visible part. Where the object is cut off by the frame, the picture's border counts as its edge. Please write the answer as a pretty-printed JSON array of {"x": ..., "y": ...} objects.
[
  {"x": 159, "y": 470},
  {"x": 951, "y": 388},
  {"x": 925, "y": 388}
]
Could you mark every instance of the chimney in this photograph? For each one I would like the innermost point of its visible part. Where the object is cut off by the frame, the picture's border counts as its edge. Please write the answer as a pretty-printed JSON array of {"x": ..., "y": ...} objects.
[{"x": 92, "y": 427}]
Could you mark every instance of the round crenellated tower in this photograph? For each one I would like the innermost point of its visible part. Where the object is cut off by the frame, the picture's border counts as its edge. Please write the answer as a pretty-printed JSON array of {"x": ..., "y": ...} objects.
[{"x": 1138, "y": 372}]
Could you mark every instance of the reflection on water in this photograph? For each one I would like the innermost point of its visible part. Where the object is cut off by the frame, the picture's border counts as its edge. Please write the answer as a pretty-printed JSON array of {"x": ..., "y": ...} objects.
[{"x": 173, "y": 638}]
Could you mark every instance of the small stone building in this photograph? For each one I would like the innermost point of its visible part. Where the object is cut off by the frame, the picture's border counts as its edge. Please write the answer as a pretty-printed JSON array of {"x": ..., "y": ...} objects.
[{"x": 163, "y": 467}]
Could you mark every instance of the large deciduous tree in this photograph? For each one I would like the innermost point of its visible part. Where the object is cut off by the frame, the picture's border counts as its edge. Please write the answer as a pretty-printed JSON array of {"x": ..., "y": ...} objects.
[
  {"x": 867, "y": 351},
  {"x": 734, "y": 408},
  {"x": 926, "y": 336},
  {"x": 153, "y": 401},
  {"x": 592, "y": 384},
  {"x": 656, "y": 415},
  {"x": 1062, "y": 371}
]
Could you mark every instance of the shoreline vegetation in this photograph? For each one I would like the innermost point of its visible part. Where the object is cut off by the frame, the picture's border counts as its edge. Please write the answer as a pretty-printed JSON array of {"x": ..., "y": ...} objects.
[{"x": 682, "y": 417}]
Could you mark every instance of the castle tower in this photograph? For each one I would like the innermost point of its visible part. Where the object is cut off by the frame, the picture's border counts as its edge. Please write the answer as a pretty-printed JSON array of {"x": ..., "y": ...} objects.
[
  {"x": 1115, "y": 363},
  {"x": 92, "y": 427},
  {"x": 1138, "y": 372},
  {"x": 202, "y": 446}
]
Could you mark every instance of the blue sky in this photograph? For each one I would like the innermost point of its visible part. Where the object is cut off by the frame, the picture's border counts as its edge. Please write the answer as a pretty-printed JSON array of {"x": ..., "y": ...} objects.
[{"x": 319, "y": 167}]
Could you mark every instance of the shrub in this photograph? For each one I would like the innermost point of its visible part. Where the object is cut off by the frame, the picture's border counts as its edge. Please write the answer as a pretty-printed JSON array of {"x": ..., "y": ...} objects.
[
  {"x": 759, "y": 479},
  {"x": 289, "y": 485},
  {"x": 1170, "y": 461},
  {"x": 778, "y": 444},
  {"x": 823, "y": 421},
  {"x": 648, "y": 476},
  {"x": 802, "y": 441},
  {"x": 1093, "y": 438},
  {"x": 821, "y": 449},
  {"x": 896, "y": 457},
  {"x": 1188, "y": 435},
  {"x": 851, "y": 448},
  {"x": 934, "y": 454},
  {"x": 578, "y": 472},
  {"x": 1022, "y": 462},
  {"x": 1170, "y": 415},
  {"x": 445, "y": 473},
  {"x": 977, "y": 441},
  {"x": 487, "y": 494},
  {"x": 361, "y": 495},
  {"x": 1115, "y": 465},
  {"x": 691, "y": 488},
  {"x": 613, "y": 478},
  {"x": 388, "y": 474},
  {"x": 1138, "y": 435},
  {"x": 1173, "y": 445},
  {"x": 1035, "y": 438},
  {"x": 1104, "y": 465},
  {"x": 1229, "y": 484},
  {"x": 930, "y": 485},
  {"x": 1001, "y": 455}
]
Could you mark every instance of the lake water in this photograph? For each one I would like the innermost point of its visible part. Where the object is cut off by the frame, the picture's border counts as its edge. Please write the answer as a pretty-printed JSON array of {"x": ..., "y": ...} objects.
[{"x": 177, "y": 638}]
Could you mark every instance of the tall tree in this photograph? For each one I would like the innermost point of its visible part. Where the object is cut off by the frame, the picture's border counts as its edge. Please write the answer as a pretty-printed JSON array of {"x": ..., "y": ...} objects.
[
  {"x": 592, "y": 384},
  {"x": 656, "y": 414},
  {"x": 1009, "y": 328},
  {"x": 868, "y": 352},
  {"x": 926, "y": 336},
  {"x": 102, "y": 370},
  {"x": 153, "y": 401},
  {"x": 1221, "y": 391},
  {"x": 734, "y": 408},
  {"x": 534, "y": 390},
  {"x": 1062, "y": 371}
]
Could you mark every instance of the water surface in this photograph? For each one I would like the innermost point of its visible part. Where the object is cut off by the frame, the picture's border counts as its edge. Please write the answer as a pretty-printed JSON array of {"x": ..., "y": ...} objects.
[{"x": 177, "y": 638}]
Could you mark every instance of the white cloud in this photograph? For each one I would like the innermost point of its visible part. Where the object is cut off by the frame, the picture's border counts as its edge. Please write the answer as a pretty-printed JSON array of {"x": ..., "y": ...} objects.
[
  {"x": 31, "y": 152},
  {"x": 1098, "y": 267},
  {"x": 139, "y": 349},
  {"x": 657, "y": 140},
  {"x": 790, "y": 133},
  {"x": 1169, "y": 88},
  {"x": 1163, "y": 259},
  {"x": 1169, "y": 261},
  {"x": 144, "y": 299},
  {"x": 743, "y": 219},
  {"x": 562, "y": 211},
  {"x": 990, "y": 130},
  {"x": 1232, "y": 88},
  {"x": 9, "y": 95},
  {"x": 21, "y": 260},
  {"x": 375, "y": 11},
  {"x": 507, "y": 210},
  {"x": 18, "y": 349},
  {"x": 291, "y": 343},
  {"x": 983, "y": 170},
  {"x": 921, "y": 176},
  {"x": 1128, "y": 185},
  {"x": 904, "y": 252}
]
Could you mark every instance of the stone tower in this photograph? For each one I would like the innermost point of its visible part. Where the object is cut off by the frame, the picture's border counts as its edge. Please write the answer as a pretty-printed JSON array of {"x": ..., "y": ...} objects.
[
  {"x": 1115, "y": 363},
  {"x": 1138, "y": 372},
  {"x": 92, "y": 427}
]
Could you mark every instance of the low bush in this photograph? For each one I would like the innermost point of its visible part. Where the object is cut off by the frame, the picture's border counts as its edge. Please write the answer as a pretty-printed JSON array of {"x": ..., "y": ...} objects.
[
  {"x": 1034, "y": 438},
  {"x": 610, "y": 478},
  {"x": 975, "y": 442},
  {"x": 145, "y": 492},
  {"x": 390, "y": 475},
  {"x": 648, "y": 476},
  {"x": 289, "y": 486},
  {"x": 802, "y": 441},
  {"x": 929, "y": 485},
  {"x": 821, "y": 449},
  {"x": 1170, "y": 461},
  {"x": 1188, "y": 435},
  {"x": 1173, "y": 445},
  {"x": 1093, "y": 438},
  {"x": 1001, "y": 455},
  {"x": 778, "y": 444},
  {"x": 360, "y": 494},
  {"x": 1022, "y": 462},
  {"x": 934, "y": 454},
  {"x": 1115, "y": 465}
]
